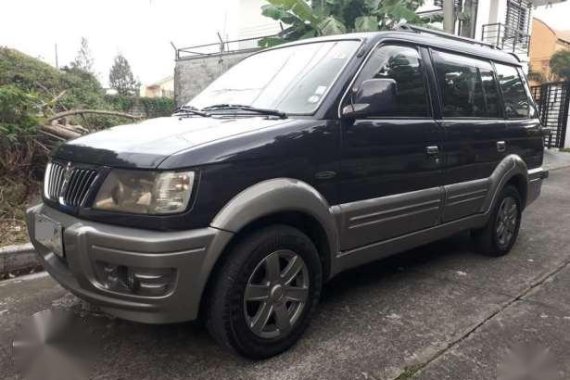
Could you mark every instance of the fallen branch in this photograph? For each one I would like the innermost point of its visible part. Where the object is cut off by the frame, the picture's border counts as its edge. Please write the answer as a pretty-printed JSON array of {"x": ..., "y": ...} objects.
[
  {"x": 87, "y": 111},
  {"x": 59, "y": 132}
]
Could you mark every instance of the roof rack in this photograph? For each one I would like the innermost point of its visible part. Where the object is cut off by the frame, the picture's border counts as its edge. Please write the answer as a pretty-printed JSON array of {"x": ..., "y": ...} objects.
[{"x": 419, "y": 29}]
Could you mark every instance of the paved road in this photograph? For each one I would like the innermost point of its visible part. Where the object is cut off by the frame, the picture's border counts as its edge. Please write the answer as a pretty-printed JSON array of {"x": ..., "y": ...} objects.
[{"x": 437, "y": 312}]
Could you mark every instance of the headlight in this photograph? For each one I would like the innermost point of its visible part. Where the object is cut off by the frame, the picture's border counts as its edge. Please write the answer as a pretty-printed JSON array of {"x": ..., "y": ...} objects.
[{"x": 145, "y": 192}]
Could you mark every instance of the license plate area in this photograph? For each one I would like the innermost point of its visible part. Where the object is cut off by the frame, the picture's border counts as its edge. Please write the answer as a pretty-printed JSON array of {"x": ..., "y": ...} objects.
[{"x": 49, "y": 233}]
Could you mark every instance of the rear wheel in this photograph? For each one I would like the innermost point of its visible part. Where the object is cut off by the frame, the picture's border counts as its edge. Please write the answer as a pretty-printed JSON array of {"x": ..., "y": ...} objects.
[
  {"x": 501, "y": 232},
  {"x": 265, "y": 292}
]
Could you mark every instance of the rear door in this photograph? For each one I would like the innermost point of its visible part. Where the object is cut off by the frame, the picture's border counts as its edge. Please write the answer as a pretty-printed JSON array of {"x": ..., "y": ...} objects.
[
  {"x": 474, "y": 130},
  {"x": 523, "y": 136},
  {"x": 391, "y": 179}
]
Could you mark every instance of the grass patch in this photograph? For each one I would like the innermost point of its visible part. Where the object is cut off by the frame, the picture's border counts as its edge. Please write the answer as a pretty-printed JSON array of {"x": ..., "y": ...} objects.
[
  {"x": 409, "y": 372},
  {"x": 565, "y": 150}
]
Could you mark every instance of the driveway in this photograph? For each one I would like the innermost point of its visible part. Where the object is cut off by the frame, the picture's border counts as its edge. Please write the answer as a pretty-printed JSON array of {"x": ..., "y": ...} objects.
[{"x": 437, "y": 312}]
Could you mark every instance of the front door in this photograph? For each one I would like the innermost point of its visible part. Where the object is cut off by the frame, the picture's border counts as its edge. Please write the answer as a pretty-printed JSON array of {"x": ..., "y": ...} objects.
[{"x": 391, "y": 181}]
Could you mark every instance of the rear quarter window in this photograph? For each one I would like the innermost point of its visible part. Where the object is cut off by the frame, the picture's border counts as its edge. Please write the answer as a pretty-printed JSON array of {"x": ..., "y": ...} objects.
[{"x": 515, "y": 95}]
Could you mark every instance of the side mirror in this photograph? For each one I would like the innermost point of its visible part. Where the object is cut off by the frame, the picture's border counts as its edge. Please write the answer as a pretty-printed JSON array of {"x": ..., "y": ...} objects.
[{"x": 374, "y": 97}]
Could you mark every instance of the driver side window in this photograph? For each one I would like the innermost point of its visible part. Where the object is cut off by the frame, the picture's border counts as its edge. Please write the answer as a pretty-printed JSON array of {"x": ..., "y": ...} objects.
[{"x": 404, "y": 65}]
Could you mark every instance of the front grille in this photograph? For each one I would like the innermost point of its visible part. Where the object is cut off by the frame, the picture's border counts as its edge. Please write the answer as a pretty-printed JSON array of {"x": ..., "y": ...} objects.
[{"x": 68, "y": 184}]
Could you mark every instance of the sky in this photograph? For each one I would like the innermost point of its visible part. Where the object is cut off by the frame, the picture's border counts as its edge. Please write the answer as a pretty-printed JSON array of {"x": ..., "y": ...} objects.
[
  {"x": 139, "y": 29},
  {"x": 556, "y": 15}
]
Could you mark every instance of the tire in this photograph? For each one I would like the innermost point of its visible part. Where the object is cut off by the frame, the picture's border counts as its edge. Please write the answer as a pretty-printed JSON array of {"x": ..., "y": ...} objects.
[
  {"x": 256, "y": 291},
  {"x": 501, "y": 231}
]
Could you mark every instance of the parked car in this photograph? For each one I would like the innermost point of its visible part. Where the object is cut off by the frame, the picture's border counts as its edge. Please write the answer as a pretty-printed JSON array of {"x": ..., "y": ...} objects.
[{"x": 300, "y": 162}]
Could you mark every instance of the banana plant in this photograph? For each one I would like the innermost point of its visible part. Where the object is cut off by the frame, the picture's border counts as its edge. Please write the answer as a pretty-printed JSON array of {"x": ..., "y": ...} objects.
[{"x": 327, "y": 17}]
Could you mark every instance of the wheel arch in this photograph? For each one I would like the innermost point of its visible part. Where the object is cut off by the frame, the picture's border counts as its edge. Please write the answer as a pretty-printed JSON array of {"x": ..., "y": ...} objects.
[
  {"x": 512, "y": 170},
  {"x": 279, "y": 201}
]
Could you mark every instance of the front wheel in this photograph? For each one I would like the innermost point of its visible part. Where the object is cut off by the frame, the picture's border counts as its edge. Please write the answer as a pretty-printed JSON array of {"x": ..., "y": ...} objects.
[
  {"x": 265, "y": 292},
  {"x": 501, "y": 232}
]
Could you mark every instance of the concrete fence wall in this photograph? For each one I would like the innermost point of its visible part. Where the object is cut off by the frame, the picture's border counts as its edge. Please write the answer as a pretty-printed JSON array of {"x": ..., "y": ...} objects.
[{"x": 193, "y": 74}]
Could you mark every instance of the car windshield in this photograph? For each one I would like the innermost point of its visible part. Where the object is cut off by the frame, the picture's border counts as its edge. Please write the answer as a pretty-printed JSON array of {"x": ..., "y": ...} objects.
[{"x": 293, "y": 79}]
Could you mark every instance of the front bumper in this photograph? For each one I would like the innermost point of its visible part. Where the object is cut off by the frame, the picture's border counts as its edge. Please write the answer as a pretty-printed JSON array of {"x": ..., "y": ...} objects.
[{"x": 187, "y": 257}]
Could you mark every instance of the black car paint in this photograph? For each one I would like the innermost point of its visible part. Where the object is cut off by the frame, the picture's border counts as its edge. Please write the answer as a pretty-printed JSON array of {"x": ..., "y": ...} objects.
[{"x": 369, "y": 157}]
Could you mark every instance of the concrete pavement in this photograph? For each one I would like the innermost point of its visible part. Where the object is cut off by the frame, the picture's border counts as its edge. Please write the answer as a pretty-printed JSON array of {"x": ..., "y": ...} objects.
[{"x": 437, "y": 312}]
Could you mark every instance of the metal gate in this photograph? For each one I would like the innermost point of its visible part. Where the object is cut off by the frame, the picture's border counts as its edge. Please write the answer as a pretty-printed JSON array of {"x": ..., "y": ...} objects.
[{"x": 553, "y": 100}]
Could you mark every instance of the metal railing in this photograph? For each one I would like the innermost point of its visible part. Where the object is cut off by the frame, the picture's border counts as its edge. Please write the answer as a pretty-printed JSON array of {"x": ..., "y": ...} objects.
[
  {"x": 553, "y": 100},
  {"x": 507, "y": 39},
  {"x": 219, "y": 48}
]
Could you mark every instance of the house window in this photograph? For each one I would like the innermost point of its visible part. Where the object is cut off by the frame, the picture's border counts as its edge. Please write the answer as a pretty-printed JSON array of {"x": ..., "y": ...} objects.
[{"x": 518, "y": 15}]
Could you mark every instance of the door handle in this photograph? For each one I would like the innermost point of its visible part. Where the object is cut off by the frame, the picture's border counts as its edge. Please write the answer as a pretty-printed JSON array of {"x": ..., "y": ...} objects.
[
  {"x": 501, "y": 146},
  {"x": 432, "y": 150}
]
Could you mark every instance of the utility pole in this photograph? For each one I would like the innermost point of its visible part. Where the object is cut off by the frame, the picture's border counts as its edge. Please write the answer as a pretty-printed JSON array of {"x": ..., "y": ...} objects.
[
  {"x": 56, "y": 58},
  {"x": 448, "y": 16}
]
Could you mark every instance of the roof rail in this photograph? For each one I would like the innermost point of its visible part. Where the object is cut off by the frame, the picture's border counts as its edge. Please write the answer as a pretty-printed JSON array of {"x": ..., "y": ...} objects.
[{"x": 419, "y": 29}]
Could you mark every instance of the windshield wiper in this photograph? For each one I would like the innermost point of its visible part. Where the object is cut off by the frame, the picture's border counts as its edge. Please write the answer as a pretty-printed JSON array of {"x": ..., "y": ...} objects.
[
  {"x": 264, "y": 111},
  {"x": 192, "y": 111}
]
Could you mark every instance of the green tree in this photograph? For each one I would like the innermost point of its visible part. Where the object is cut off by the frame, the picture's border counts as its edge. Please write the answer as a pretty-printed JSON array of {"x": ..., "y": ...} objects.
[
  {"x": 560, "y": 64},
  {"x": 327, "y": 17},
  {"x": 84, "y": 59},
  {"x": 121, "y": 77}
]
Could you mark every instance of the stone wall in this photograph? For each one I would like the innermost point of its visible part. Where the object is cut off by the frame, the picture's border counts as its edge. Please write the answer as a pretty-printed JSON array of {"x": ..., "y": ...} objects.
[{"x": 193, "y": 74}]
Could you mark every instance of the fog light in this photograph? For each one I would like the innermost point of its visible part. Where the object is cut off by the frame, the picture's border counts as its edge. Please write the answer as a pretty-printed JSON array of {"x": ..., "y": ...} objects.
[
  {"x": 133, "y": 282},
  {"x": 152, "y": 282},
  {"x": 110, "y": 275}
]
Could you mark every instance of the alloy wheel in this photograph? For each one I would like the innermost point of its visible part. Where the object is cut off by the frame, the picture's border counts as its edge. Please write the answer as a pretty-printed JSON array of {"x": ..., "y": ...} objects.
[
  {"x": 276, "y": 294},
  {"x": 507, "y": 219}
]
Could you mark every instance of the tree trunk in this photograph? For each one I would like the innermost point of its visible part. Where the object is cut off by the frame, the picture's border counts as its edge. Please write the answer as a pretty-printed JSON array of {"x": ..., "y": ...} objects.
[{"x": 87, "y": 111}]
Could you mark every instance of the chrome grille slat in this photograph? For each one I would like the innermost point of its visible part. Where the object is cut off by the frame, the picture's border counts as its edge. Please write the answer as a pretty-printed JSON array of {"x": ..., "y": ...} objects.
[
  {"x": 54, "y": 175},
  {"x": 59, "y": 181},
  {"x": 80, "y": 184},
  {"x": 82, "y": 194},
  {"x": 69, "y": 185},
  {"x": 68, "y": 192}
]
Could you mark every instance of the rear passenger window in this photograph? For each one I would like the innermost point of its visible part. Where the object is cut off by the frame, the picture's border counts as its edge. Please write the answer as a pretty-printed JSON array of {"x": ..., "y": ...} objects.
[
  {"x": 514, "y": 92},
  {"x": 404, "y": 65},
  {"x": 467, "y": 85}
]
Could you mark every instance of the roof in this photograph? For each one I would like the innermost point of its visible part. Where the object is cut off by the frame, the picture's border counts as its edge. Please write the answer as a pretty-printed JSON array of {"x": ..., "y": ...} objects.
[
  {"x": 161, "y": 82},
  {"x": 562, "y": 35},
  {"x": 429, "y": 40}
]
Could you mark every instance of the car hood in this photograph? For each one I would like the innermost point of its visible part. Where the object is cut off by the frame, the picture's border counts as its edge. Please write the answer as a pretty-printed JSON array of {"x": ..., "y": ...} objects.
[{"x": 148, "y": 143}]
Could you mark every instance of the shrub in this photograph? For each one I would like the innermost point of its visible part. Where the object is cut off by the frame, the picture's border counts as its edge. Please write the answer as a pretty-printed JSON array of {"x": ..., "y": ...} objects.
[
  {"x": 18, "y": 114},
  {"x": 157, "y": 107},
  {"x": 150, "y": 107}
]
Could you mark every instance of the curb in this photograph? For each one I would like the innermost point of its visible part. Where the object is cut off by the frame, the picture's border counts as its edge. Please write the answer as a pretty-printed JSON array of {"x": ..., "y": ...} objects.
[{"x": 17, "y": 258}]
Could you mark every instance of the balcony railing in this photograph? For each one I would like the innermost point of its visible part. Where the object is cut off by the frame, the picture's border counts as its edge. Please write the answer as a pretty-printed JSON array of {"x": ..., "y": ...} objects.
[
  {"x": 219, "y": 48},
  {"x": 507, "y": 39}
]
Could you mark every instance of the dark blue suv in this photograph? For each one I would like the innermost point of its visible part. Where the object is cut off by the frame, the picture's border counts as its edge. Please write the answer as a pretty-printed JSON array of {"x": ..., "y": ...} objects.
[{"x": 298, "y": 163}]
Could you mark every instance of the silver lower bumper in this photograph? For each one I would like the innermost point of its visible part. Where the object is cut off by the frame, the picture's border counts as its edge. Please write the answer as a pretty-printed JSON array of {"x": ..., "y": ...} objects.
[{"x": 186, "y": 256}]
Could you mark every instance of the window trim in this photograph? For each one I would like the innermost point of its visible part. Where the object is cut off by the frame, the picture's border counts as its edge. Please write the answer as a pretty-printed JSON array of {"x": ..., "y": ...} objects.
[
  {"x": 389, "y": 42},
  {"x": 503, "y": 110},
  {"x": 439, "y": 90}
]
